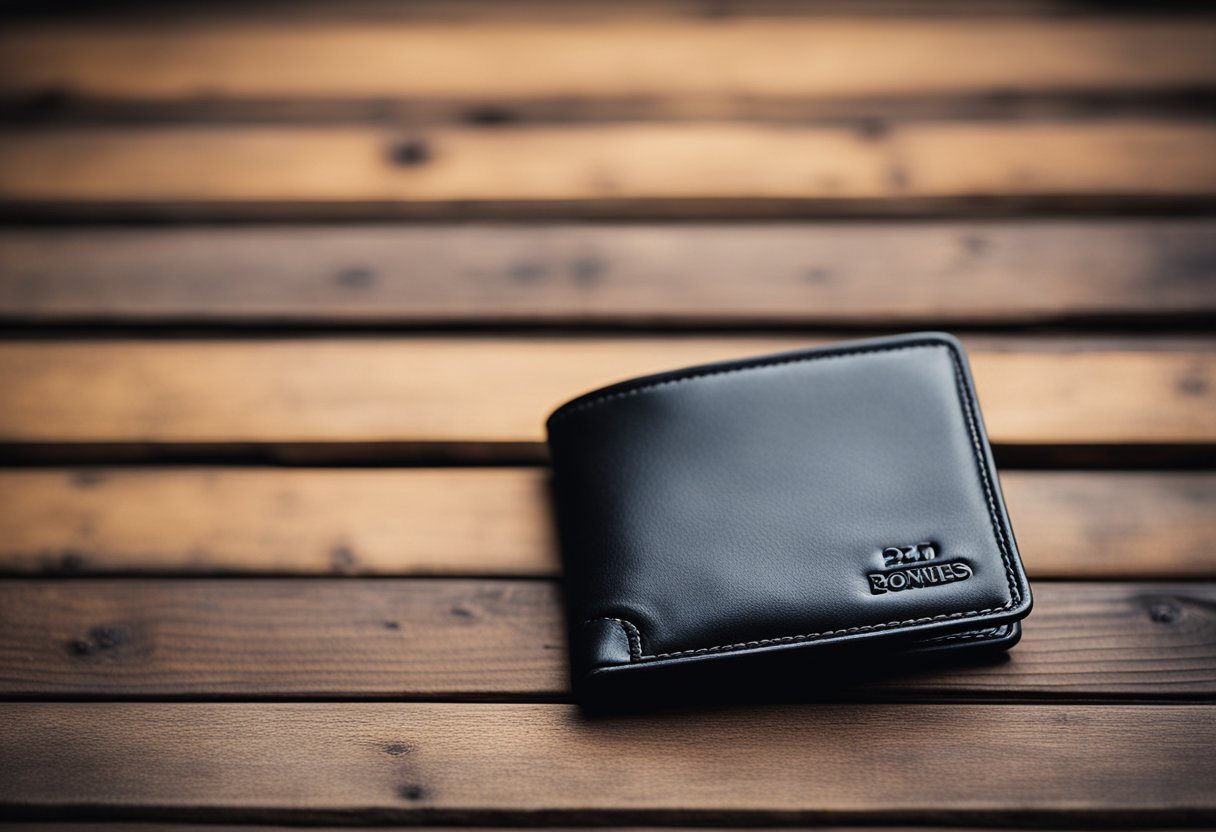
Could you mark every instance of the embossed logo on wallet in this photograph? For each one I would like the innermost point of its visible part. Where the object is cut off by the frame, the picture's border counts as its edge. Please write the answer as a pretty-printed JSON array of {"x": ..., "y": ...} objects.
[{"x": 906, "y": 568}]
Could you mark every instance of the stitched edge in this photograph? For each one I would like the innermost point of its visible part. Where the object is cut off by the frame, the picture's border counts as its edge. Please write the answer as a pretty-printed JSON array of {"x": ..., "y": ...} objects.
[
  {"x": 633, "y": 634},
  {"x": 865, "y": 628},
  {"x": 591, "y": 400},
  {"x": 972, "y": 635},
  {"x": 634, "y": 638},
  {"x": 966, "y": 402}
]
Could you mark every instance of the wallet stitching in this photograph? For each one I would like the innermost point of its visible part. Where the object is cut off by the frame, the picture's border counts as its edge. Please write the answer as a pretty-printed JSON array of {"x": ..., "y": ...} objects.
[
  {"x": 634, "y": 637},
  {"x": 633, "y": 634},
  {"x": 864, "y": 628},
  {"x": 998, "y": 529},
  {"x": 708, "y": 372},
  {"x": 975, "y": 635}
]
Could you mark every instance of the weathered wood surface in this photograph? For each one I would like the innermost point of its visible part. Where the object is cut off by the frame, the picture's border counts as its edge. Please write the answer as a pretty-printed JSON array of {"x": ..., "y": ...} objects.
[
  {"x": 460, "y": 389},
  {"x": 480, "y": 639},
  {"x": 482, "y": 522},
  {"x": 636, "y": 169},
  {"x": 511, "y": 763},
  {"x": 877, "y": 274},
  {"x": 385, "y": 638},
  {"x": 663, "y": 67},
  {"x": 540, "y": 110}
]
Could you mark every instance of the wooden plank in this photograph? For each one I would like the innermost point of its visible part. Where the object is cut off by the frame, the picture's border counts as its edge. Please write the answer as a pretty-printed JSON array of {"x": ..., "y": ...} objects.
[
  {"x": 516, "y": 763},
  {"x": 723, "y": 59},
  {"x": 391, "y": 638},
  {"x": 636, "y": 168},
  {"x": 442, "y": 521},
  {"x": 358, "y": 638},
  {"x": 840, "y": 273},
  {"x": 439, "y": 389},
  {"x": 1149, "y": 525},
  {"x": 477, "y": 522}
]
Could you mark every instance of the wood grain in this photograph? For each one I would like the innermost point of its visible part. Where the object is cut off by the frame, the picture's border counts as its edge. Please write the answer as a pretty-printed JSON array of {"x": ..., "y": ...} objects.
[
  {"x": 735, "y": 58},
  {"x": 436, "y": 521},
  {"x": 604, "y": 168},
  {"x": 357, "y": 638},
  {"x": 436, "y": 389},
  {"x": 510, "y": 763},
  {"x": 913, "y": 274},
  {"x": 390, "y": 638},
  {"x": 681, "y": 110},
  {"x": 469, "y": 521}
]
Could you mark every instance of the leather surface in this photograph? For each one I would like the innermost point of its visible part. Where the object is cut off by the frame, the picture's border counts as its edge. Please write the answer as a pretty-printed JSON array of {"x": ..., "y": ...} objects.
[{"x": 768, "y": 504}]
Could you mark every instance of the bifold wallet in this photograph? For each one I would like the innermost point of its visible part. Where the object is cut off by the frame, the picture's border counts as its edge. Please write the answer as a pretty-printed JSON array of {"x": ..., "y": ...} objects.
[{"x": 806, "y": 511}]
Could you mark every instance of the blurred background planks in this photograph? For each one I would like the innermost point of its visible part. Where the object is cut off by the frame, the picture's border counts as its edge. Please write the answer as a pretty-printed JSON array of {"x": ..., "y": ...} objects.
[
  {"x": 288, "y": 290},
  {"x": 742, "y": 274}
]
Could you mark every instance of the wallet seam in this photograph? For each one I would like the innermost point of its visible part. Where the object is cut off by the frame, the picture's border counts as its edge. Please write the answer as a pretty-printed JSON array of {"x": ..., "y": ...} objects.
[
  {"x": 975, "y": 635},
  {"x": 633, "y": 634}
]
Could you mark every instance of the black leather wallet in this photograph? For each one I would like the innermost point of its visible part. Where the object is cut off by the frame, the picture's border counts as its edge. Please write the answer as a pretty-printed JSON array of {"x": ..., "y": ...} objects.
[{"x": 837, "y": 505}]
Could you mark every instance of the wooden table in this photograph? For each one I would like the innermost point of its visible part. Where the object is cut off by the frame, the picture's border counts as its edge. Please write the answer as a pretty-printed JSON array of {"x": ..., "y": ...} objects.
[{"x": 288, "y": 291}]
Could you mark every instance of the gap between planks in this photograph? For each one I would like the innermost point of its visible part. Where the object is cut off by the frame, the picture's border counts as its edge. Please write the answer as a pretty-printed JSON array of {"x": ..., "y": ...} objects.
[{"x": 112, "y": 826}]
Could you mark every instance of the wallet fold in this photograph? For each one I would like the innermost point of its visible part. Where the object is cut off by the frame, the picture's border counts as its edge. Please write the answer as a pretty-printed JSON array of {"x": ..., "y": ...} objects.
[{"x": 817, "y": 508}]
